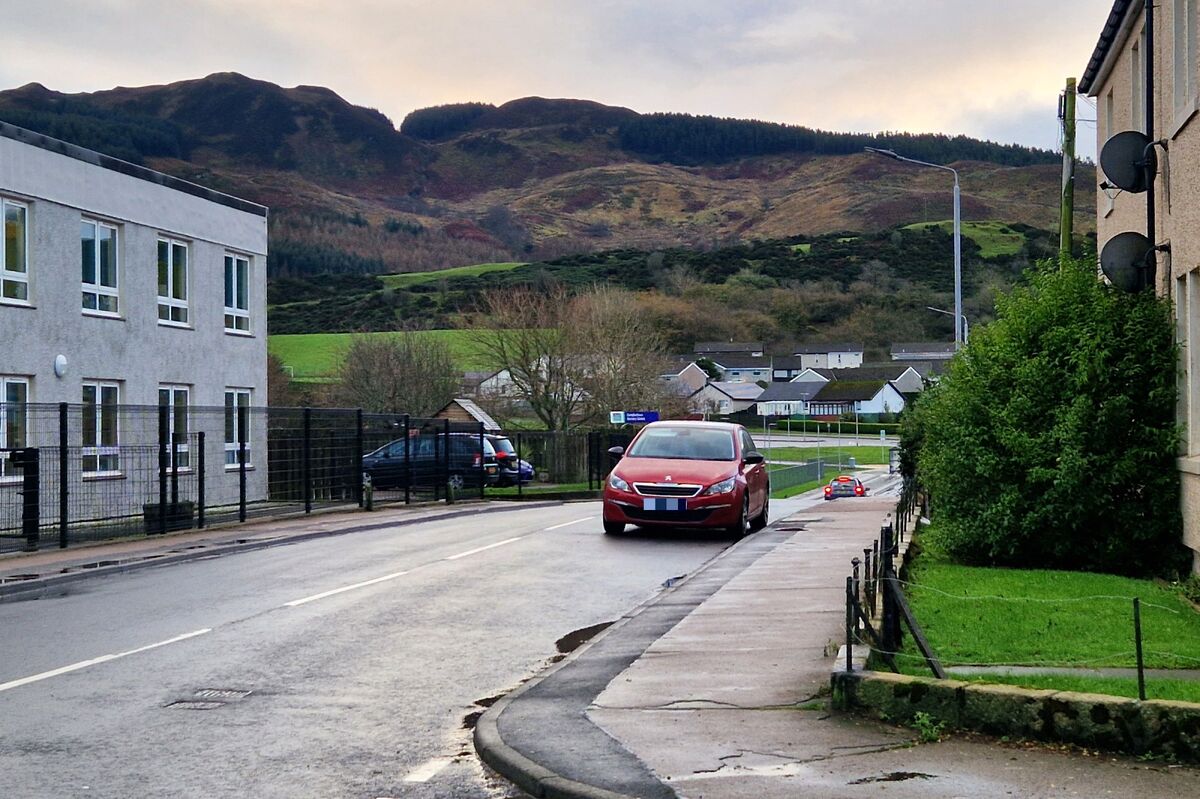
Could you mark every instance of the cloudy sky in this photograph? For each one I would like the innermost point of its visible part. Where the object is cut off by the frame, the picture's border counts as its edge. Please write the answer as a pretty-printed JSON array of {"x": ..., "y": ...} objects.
[{"x": 987, "y": 68}]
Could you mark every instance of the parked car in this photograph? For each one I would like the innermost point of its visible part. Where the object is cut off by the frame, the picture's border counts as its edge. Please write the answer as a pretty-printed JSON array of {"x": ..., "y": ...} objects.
[
  {"x": 468, "y": 462},
  {"x": 845, "y": 485},
  {"x": 512, "y": 468},
  {"x": 688, "y": 474}
]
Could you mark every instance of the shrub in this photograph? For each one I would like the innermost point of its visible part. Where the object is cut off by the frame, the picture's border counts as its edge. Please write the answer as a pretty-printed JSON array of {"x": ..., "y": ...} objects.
[{"x": 1051, "y": 442}]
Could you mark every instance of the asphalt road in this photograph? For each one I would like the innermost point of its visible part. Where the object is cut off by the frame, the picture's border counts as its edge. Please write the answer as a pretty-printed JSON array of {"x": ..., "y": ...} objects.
[{"x": 362, "y": 655}]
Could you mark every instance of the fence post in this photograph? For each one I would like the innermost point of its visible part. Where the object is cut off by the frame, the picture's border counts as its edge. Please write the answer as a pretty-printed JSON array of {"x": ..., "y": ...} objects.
[
  {"x": 483, "y": 465},
  {"x": 446, "y": 460},
  {"x": 869, "y": 580},
  {"x": 174, "y": 475},
  {"x": 1137, "y": 641},
  {"x": 200, "y": 480},
  {"x": 854, "y": 564},
  {"x": 163, "y": 434},
  {"x": 408, "y": 469},
  {"x": 358, "y": 456},
  {"x": 31, "y": 506},
  {"x": 306, "y": 461},
  {"x": 518, "y": 465},
  {"x": 890, "y": 621},
  {"x": 63, "y": 476},
  {"x": 243, "y": 419},
  {"x": 849, "y": 624}
]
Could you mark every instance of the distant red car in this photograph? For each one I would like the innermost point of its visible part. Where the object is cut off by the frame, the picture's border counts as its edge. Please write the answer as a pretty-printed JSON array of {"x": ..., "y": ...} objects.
[
  {"x": 845, "y": 485},
  {"x": 688, "y": 474}
]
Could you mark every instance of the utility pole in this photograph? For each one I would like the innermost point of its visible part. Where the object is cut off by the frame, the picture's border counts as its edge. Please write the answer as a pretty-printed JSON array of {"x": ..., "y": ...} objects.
[{"x": 1067, "y": 113}]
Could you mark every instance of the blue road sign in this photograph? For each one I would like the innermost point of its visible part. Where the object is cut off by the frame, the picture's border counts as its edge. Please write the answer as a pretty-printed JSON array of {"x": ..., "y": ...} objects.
[{"x": 640, "y": 417}]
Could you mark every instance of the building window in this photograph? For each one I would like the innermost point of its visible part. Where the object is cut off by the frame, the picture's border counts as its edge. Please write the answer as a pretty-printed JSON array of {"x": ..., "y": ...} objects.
[
  {"x": 1108, "y": 115},
  {"x": 1185, "y": 57},
  {"x": 14, "y": 257},
  {"x": 98, "y": 261},
  {"x": 235, "y": 400},
  {"x": 175, "y": 398},
  {"x": 101, "y": 437},
  {"x": 172, "y": 282},
  {"x": 14, "y": 421},
  {"x": 1137, "y": 117},
  {"x": 237, "y": 294}
]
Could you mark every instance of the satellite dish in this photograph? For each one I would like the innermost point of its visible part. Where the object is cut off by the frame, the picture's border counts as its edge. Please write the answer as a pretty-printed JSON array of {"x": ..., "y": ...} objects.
[
  {"x": 1123, "y": 258},
  {"x": 1127, "y": 158}
]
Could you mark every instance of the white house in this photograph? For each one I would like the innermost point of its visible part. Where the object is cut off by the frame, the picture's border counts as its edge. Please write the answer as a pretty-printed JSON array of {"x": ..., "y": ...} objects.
[
  {"x": 724, "y": 397},
  {"x": 829, "y": 356},
  {"x": 865, "y": 398},
  {"x": 742, "y": 367},
  {"x": 121, "y": 286},
  {"x": 923, "y": 351},
  {"x": 788, "y": 399}
]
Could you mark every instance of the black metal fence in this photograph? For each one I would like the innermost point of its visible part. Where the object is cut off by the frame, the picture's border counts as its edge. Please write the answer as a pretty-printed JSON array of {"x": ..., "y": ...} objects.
[{"x": 73, "y": 474}]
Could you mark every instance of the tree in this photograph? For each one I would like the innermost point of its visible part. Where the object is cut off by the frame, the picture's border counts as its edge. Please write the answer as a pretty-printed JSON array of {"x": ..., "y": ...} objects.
[
  {"x": 281, "y": 391},
  {"x": 1051, "y": 442},
  {"x": 396, "y": 373}
]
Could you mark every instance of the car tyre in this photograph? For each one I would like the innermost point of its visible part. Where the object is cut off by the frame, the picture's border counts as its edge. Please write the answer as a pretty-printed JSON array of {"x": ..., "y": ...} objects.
[
  {"x": 741, "y": 528},
  {"x": 613, "y": 528},
  {"x": 762, "y": 519}
]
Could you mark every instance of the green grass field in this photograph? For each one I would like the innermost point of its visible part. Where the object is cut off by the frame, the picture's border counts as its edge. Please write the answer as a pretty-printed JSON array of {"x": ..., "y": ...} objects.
[
  {"x": 784, "y": 493},
  {"x": 316, "y": 355},
  {"x": 413, "y": 278},
  {"x": 1033, "y": 617},
  {"x": 861, "y": 455},
  {"x": 994, "y": 238}
]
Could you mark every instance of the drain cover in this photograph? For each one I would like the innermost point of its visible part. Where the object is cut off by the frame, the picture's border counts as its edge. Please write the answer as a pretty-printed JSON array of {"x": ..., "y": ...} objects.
[
  {"x": 221, "y": 693},
  {"x": 189, "y": 705}
]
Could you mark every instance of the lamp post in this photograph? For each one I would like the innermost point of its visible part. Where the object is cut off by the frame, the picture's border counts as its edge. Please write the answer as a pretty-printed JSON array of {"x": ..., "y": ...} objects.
[
  {"x": 966, "y": 328},
  {"x": 958, "y": 333}
]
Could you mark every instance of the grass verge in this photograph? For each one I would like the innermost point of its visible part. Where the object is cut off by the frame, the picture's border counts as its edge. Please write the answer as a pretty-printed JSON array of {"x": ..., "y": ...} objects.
[
  {"x": 312, "y": 355},
  {"x": 861, "y": 455},
  {"x": 538, "y": 488},
  {"x": 784, "y": 493}
]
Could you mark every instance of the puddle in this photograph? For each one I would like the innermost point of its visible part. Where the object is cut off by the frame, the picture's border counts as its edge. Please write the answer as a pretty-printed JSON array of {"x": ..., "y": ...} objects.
[
  {"x": 895, "y": 776},
  {"x": 573, "y": 640}
]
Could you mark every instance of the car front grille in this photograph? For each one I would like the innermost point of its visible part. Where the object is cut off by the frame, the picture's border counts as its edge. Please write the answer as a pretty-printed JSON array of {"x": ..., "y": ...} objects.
[
  {"x": 666, "y": 490},
  {"x": 668, "y": 516}
]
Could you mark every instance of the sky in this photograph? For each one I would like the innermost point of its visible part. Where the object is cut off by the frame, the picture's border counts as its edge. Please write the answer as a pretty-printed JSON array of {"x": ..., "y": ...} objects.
[{"x": 987, "y": 68}]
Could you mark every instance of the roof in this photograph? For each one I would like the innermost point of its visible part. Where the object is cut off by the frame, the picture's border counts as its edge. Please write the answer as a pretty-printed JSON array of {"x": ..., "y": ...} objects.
[
  {"x": 1110, "y": 34},
  {"x": 94, "y": 158},
  {"x": 791, "y": 362},
  {"x": 849, "y": 390},
  {"x": 889, "y": 371},
  {"x": 737, "y": 391},
  {"x": 740, "y": 360},
  {"x": 474, "y": 411},
  {"x": 790, "y": 392},
  {"x": 812, "y": 349},
  {"x": 729, "y": 346},
  {"x": 920, "y": 347}
]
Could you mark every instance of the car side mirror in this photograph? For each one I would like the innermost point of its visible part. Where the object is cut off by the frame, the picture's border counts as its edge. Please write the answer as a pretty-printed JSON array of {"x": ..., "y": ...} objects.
[
  {"x": 753, "y": 458},
  {"x": 616, "y": 452}
]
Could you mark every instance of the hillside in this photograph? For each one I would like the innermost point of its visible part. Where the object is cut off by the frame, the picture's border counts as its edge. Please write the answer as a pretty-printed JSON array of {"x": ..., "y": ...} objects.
[{"x": 533, "y": 179}]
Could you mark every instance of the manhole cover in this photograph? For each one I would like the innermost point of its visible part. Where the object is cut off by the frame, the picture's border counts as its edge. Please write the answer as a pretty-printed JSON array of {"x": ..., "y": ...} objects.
[
  {"x": 190, "y": 705},
  {"x": 221, "y": 693}
]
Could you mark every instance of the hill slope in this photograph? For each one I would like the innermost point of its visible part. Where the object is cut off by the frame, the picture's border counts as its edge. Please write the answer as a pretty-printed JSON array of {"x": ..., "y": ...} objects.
[{"x": 530, "y": 179}]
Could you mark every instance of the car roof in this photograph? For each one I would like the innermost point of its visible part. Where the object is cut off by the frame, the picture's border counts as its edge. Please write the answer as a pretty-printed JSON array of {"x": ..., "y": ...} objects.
[{"x": 730, "y": 426}]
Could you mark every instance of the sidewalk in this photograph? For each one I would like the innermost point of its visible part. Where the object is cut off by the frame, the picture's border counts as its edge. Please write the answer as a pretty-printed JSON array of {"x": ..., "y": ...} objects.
[{"x": 729, "y": 700}]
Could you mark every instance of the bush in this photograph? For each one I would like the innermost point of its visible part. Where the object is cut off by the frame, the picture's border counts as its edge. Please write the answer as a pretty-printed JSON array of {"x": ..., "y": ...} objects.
[{"x": 1051, "y": 442}]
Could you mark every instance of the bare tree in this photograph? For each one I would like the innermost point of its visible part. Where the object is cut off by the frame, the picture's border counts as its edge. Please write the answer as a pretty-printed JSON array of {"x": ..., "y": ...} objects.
[{"x": 396, "y": 373}]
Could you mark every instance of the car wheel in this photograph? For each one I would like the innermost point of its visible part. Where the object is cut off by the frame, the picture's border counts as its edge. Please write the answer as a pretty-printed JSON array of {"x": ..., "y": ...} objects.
[
  {"x": 761, "y": 520},
  {"x": 613, "y": 528},
  {"x": 740, "y": 528},
  {"x": 456, "y": 482}
]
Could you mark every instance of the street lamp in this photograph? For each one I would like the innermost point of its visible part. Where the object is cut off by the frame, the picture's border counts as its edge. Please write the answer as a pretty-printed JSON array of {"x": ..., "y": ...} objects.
[
  {"x": 966, "y": 328},
  {"x": 958, "y": 333}
]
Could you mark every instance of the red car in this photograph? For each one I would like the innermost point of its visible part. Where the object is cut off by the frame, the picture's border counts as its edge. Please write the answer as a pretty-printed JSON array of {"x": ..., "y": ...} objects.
[{"x": 688, "y": 474}]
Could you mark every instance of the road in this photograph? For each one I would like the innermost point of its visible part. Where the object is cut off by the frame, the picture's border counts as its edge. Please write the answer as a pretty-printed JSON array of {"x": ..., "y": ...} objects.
[{"x": 338, "y": 667}]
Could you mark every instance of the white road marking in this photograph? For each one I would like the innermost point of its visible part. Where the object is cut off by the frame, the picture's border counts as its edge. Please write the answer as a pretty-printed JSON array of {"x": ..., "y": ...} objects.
[
  {"x": 83, "y": 664},
  {"x": 428, "y": 770},
  {"x": 568, "y": 524},
  {"x": 484, "y": 549},
  {"x": 343, "y": 589}
]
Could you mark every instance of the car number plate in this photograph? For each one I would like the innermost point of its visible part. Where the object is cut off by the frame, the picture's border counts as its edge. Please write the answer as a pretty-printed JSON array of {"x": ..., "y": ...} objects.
[{"x": 664, "y": 503}]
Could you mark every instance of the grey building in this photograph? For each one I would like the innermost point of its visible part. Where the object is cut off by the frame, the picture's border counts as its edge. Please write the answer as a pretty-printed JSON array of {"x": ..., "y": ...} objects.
[{"x": 121, "y": 286}]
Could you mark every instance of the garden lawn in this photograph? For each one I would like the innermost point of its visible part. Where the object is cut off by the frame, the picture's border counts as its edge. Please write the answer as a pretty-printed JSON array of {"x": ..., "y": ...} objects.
[
  {"x": 413, "y": 278},
  {"x": 861, "y": 455},
  {"x": 317, "y": 355},
  {"x": 1031, "y": 617}
]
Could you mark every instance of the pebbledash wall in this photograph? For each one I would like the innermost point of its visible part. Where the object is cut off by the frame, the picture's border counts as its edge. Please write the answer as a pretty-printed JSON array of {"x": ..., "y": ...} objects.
[
  {"x": 1115, "y": 77},
  {"x": 60, "y": 305}
]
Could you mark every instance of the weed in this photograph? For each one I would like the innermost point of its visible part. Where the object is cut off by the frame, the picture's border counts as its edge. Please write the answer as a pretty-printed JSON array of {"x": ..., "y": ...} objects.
[{"x": 926, "y": 727}]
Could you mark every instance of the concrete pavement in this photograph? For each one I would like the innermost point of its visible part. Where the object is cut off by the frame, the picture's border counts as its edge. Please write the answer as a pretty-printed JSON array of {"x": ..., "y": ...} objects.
[{"x": 731, "y": 700}]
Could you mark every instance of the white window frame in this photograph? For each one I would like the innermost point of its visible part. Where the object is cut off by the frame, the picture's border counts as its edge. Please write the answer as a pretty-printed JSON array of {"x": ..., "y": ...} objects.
[
  {"x": 237, "y": 316},
  {"x": 170, "y": 303},
  {"x": 173, "y": 421},
  {"x": 97, "y": 289},
  {"x": 233, "y": 400},
  {"x": 100, "y": 450},
  {"x": 7, "y": 473},
  {"x": 1184, "y": 59},
  {"x": 11, "y": 277}
]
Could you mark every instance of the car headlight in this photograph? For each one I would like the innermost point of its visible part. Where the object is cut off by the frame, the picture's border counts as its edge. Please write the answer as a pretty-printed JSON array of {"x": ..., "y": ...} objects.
[
  {"x": 617, "y": 483},
  {"x": 723, "y": 487}
]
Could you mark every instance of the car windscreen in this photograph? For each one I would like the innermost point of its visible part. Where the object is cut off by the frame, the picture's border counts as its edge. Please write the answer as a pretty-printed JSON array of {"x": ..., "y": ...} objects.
[
  {"x": 502, "y": 445},
  {"x": 682, "y": 443}
]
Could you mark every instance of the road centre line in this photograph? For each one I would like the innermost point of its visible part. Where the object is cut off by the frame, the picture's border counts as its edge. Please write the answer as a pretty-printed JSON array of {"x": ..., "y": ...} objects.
[
  {"x": 344, "y": 588},
  {"x": 483, "y": 549},
  {"x": 83, "y": 664},
  {"x": 428, "y": 770},
  {"x": 568, "y": 524}
]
